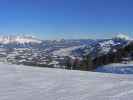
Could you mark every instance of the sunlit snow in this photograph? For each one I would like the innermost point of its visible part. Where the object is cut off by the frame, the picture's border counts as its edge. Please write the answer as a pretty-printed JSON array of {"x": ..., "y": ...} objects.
[{"x": 19, "y": 82}]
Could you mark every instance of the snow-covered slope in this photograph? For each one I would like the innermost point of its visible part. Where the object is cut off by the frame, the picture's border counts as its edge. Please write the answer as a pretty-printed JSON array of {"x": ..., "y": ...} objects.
[
  {"x": 30, "y": 83},
  {"x": 118, "y": 68},
  {"x": 66, "y": 51},
  {"x": 101, "y": 47},
  {"x": 95, "y": 48},
  {"x": 104, "y": 46}
]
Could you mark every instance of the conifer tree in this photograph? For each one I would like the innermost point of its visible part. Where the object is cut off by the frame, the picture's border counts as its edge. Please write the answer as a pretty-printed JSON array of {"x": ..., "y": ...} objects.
[{"x": 87, "y": 63}]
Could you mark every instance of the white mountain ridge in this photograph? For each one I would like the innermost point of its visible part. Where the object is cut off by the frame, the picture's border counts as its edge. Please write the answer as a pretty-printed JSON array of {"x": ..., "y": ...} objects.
[
  {"x": 18, "y": 39},
  {"x": 123, "y": 37},
  {"x": 102, "y": 47}
]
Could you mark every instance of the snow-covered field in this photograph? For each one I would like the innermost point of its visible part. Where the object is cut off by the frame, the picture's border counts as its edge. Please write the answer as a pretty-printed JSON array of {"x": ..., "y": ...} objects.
[
  {"x": 34, "y": 83},
  {"x": 118, "y": 68}
]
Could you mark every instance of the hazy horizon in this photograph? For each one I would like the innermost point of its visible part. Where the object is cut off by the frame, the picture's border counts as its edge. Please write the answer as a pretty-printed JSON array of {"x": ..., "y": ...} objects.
[{"x": 69, "y": 36}]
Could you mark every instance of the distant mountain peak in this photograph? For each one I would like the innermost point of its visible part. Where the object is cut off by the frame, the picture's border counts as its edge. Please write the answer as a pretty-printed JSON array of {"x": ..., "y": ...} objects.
[
  {"x": 122, "y": 37},
  {"x": 19, "y": 39}
]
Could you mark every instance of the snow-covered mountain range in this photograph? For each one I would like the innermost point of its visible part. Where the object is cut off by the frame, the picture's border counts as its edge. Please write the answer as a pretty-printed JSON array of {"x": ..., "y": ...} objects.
[
  {"x": 18, "y": 39},
  {"x": 27, "y": 49},
  {"x": 101, "y": 47}
]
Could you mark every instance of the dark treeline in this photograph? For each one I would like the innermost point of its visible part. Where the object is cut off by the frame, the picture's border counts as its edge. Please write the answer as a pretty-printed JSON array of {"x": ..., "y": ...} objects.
[{"x": 114, "y": 57}]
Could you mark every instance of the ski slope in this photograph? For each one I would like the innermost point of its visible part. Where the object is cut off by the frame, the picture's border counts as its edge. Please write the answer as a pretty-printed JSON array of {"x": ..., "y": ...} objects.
[
  {"x": 33, "y": 83},
  {"x": 117, "y": 68}
]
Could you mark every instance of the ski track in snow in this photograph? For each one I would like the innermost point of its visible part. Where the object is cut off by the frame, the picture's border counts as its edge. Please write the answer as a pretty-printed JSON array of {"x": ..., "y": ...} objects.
[{"x": 34, "y": 83}]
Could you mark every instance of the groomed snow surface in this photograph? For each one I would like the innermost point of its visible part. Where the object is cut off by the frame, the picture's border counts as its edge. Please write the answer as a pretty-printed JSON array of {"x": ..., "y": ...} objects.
[
  {"x": 34, "y": 83},
  {"x": 117, "y": 68}
]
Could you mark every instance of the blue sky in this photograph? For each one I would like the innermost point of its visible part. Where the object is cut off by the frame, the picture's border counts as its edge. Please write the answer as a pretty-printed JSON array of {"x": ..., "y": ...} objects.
[{"x": 51, "y": 19}]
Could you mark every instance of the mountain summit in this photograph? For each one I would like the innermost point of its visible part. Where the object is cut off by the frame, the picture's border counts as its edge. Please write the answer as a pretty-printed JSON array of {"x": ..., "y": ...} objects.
[
  {"x": 122, "y": 37},
  {"x": 18, "y": 39}
]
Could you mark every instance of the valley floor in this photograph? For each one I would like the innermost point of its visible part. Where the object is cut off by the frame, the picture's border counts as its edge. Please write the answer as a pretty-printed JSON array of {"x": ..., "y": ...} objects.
[{"x": 33, "y": 83}]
